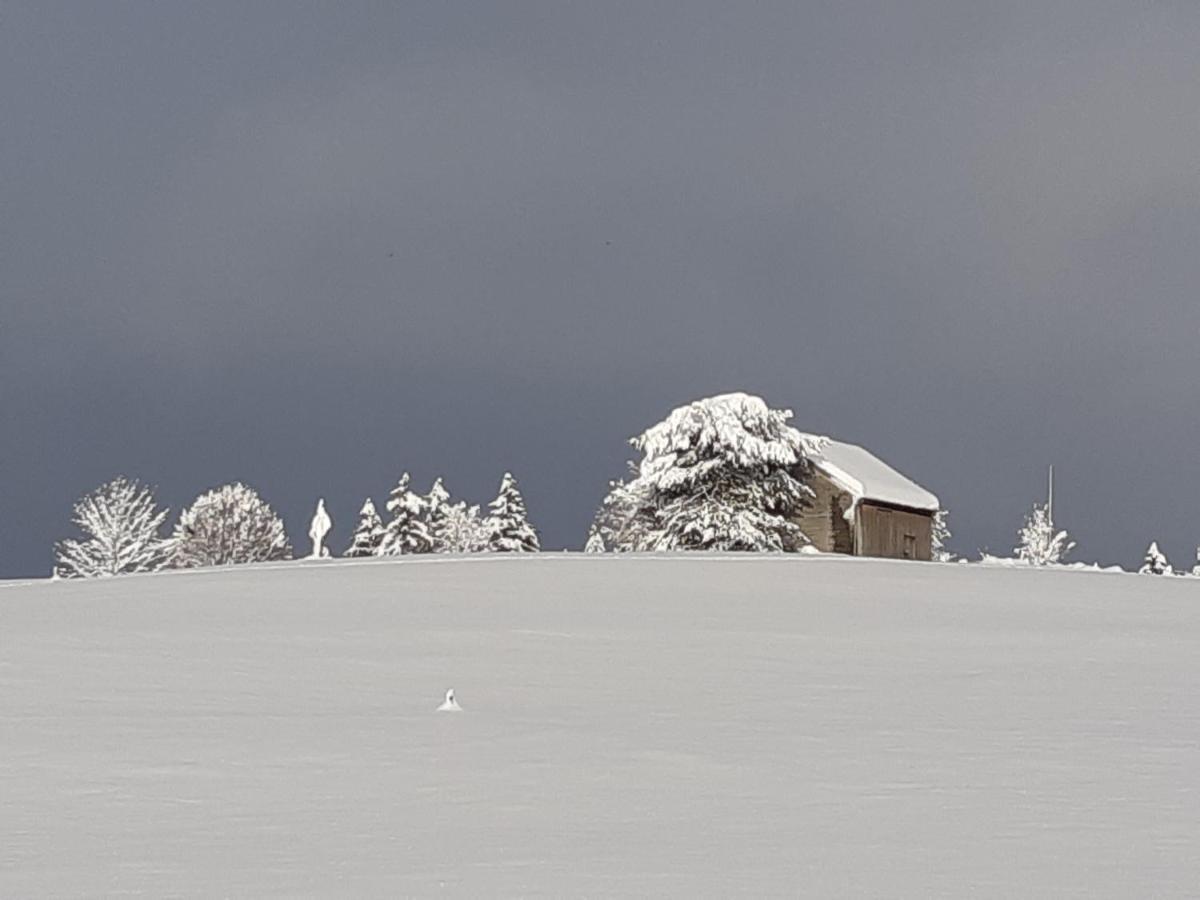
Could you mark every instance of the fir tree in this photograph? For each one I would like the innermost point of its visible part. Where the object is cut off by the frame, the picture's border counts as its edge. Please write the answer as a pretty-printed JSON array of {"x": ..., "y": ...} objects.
[
  {"x": 436, "y": 508},
  {"x": 595, "y": 543},
  {"x": 368, "y": 534},
  {"x": 508, "y": 529},
  {"x": 407, "y": 531},
  {"x": 122, "y": 522},
  {"x": 723, "y": 473},
  {"x": 1155, "y": 562},
  {"x": 941, "y": 534}
]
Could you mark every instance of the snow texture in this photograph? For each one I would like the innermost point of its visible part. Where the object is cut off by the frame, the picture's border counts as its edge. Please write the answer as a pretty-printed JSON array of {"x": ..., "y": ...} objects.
[
  {"x": 866, "y": 477},
  {"x": 656, "y": 726}
]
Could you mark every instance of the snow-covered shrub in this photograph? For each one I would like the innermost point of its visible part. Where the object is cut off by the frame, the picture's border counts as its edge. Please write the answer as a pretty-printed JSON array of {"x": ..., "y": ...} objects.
[
  {"x": 723, "y": 473},
  {"x": 1039, "y": 543},
  {"x": 121, "y": 522},
  {"x": 941, "y": 534},
  {"x": 508, "y": 528},
  {"x": 228, "y": 525},
  {"x": 1196, "y": 567},
  {"x": 368, "y": 533},
  {"x": 408, "y": 531},
  {"x": 1155, "y": 562},
  {"x": 460, "y": 529}
]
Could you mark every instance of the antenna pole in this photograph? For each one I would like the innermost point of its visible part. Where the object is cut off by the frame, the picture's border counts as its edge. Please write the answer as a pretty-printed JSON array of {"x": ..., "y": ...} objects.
[{"x": 1050, "y": 496}]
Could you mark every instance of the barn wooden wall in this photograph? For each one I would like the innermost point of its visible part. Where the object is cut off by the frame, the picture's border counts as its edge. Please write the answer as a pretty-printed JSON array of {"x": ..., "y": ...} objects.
[
  {"x": 823, "y": 521},
  {"x": 894, "y": 533}
]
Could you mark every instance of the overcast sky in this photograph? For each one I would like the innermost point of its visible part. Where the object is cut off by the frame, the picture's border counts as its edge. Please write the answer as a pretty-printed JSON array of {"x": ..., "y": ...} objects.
[{"x": 310, "y": 246}]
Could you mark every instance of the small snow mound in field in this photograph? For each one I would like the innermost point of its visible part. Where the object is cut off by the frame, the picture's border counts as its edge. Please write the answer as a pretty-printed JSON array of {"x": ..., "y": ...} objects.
[{"x": 449, "y": 704}]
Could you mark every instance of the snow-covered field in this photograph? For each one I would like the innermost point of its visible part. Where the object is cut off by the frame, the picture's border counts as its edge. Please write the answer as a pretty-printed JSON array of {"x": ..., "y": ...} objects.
[{"x": 668, "y": 726}]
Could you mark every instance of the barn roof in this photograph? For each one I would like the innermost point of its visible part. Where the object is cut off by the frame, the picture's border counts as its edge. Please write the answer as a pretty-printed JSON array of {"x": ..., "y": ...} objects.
[{"x": 867, "y": 477}]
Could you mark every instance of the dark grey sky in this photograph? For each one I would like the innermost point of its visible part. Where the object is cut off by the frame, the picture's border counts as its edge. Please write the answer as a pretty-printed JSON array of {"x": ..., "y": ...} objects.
[{"x": 309, "y": 246}]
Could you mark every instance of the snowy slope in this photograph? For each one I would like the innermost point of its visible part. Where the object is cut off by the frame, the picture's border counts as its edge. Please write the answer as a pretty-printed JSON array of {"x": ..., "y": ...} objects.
[{"x": 631, "y": 726}]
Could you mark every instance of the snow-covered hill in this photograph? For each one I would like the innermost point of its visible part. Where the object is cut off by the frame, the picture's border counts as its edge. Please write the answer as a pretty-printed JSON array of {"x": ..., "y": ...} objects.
[{"x": 654, "y": 726}]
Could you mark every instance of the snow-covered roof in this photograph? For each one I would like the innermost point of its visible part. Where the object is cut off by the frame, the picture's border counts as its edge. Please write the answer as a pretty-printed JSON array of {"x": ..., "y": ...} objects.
[{"x": 867, "y": 477}]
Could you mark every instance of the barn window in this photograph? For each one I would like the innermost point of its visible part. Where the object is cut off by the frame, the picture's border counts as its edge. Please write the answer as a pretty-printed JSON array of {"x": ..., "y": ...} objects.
[{"x": 910, "y": 546}]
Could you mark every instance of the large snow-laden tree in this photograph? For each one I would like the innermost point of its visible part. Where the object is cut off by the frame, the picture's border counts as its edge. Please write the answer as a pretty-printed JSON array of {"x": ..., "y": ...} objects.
[
  {"x": 121, "y": 522},
  {"x": 508, "y": 528},
  {"x": 723, "y": 473},
  {"x": 1039, "y": 543},
  {"x": 408, "y": 531},
  {"x": 229, "y": 525},
  {"x": 1155, "y": 562},
  {"x": 368, "y": 533}
]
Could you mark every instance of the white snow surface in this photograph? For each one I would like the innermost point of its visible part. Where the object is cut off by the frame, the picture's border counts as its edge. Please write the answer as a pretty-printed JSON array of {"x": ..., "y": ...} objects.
[
  {"x": 682, "y": 726},
  {"x": 867, "y": 477}
]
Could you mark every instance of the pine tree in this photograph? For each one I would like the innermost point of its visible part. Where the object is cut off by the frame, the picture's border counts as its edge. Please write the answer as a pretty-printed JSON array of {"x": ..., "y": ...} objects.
[
  {"x": 1155, "y": 562},
  {"x": 231, "y": 524},
  {"x": 436, "y": 508},
  {"x": 407, "y": 532},
  {"x": 508, "y": 528},
  {"x": 595, "y": 543},
  {"x": 122, "y": 522},
  {"x": 941, "y": 534},
  {"x": 723, "y": 473},
  {"x": 368, "y": 534},
  {"x": 1039, "y": 543}
]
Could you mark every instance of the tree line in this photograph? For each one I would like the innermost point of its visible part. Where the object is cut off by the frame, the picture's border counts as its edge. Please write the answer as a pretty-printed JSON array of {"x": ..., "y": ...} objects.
[
  {"x": 121, "y": 528},
  {"x": 726, "y": 473}
]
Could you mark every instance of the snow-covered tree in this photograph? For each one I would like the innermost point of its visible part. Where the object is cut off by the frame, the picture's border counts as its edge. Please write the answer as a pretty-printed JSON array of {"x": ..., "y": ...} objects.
[
  {"x": 368, "y": 534},
  {"x": 941, "y": 534},
  {"x": 624, "y": 520},
  {"x": 723, "y": 473},
  {"x": 1155, "y": 562},
  {"x": 407, "y": 532},
  {"x": 460, "y": 530},
  {"x": 228, "y": 525},
  {"x": 595, "y": 543},
  {"x": 1196, "y": 567},
  {"x": 508, "y": 528},
  {"x": 435, "y": 509},
  {"x": 121, "y": 522},
  {"x": 1039, "y": 542}
]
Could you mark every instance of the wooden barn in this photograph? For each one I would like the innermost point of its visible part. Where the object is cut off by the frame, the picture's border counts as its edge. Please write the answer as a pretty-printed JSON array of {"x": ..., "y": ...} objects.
[{"x": 864, "y": 507}]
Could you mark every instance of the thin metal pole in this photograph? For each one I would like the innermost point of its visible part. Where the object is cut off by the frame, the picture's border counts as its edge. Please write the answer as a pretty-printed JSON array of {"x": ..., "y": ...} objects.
[{"x": 1050, "y": 497}]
